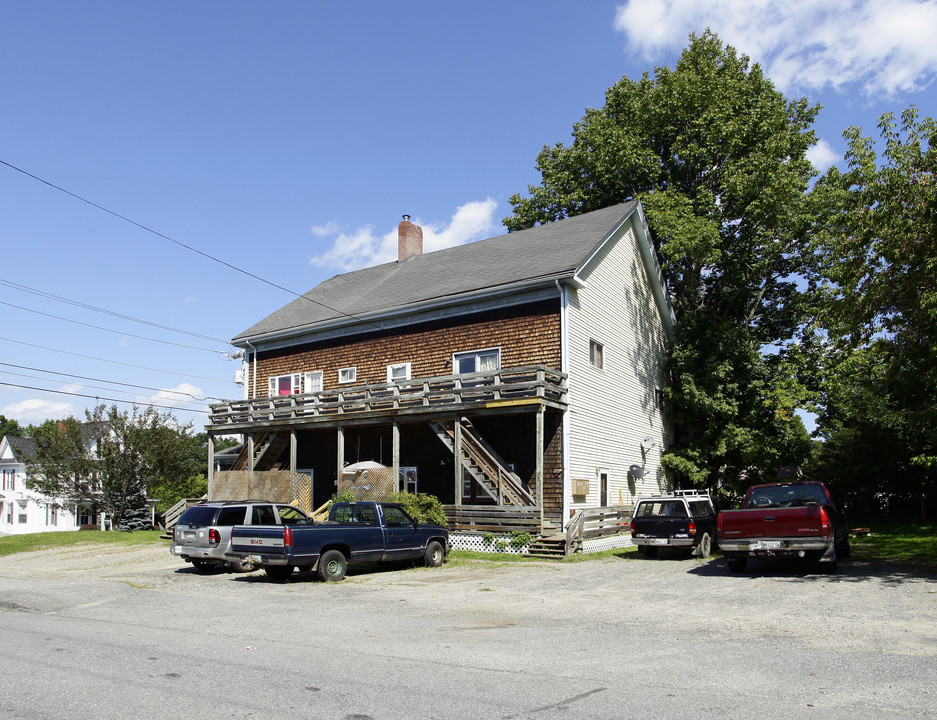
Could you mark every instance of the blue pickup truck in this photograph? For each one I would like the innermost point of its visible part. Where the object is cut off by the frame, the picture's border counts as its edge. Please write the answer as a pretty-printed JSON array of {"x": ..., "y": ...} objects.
[{"x": 354, "y": 532}]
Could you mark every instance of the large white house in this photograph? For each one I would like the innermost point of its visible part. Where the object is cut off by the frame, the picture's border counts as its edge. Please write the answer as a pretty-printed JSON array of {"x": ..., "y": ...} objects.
[{"x": 26, "y": 511}]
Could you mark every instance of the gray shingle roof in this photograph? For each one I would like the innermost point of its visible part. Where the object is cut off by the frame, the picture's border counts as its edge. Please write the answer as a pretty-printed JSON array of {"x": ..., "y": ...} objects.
[{"x": 525, "y": 258}]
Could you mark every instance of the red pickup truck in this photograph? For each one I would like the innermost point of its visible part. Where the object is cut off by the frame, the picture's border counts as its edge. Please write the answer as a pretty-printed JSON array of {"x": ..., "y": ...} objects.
[{"x": 795, "y": 519}]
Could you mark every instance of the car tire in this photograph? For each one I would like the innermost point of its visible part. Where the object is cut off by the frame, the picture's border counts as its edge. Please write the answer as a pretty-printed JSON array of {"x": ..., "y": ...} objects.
[
  {"x": 279, "y": 572},
  {"x": 434, "y": 555},
  {"x": 332, "y": 566},
  {"x": 203, "y": 566},
  {"x": 737, "y": 563},
  {"x": 705, "y": 547}
]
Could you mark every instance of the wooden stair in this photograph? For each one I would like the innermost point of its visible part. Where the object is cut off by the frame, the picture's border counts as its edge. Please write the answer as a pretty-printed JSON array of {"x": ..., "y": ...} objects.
[
  {"x": 481, "y": 462},
  {"x": 267, "y": 449},
  {"x": 552, "y": 548}
]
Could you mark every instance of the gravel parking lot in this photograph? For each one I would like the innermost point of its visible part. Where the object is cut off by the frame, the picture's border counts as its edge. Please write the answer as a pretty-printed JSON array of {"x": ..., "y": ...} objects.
[{"x": 104, "y": 631}]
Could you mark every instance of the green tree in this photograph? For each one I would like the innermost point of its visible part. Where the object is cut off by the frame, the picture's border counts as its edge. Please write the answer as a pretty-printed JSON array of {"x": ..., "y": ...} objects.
[
  {"x": 718, "y": 157},
  {"x": 10, "y": 427},
  {"x": 878, "y": 248},
  {"x": 113, "y": 459}
]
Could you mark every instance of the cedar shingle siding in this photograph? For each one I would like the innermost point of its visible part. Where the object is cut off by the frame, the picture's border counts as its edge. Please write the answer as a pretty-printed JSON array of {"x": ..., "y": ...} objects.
[{"x": 526, "y": 334}]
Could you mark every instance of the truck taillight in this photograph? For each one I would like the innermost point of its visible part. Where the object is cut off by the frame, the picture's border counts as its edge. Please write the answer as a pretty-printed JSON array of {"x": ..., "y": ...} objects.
[
  {"x": 214, "y": 537},
  {"x": 692, "y": 527},
  {"x": 288, "y": 537},
  {"x": 824, "y": 522}
]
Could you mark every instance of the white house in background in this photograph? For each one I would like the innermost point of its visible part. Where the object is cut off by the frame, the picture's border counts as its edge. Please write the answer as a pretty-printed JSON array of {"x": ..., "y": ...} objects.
[{"x": 26, "y": 511}]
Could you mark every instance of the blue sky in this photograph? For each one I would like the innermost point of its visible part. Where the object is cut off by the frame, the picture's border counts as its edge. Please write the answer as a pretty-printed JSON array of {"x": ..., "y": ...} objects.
[{"x": 288, "y": 138}]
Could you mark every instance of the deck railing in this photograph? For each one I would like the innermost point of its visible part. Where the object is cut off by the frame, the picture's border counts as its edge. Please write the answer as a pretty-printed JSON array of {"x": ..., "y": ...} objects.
[{"x": 435, "y": 393}]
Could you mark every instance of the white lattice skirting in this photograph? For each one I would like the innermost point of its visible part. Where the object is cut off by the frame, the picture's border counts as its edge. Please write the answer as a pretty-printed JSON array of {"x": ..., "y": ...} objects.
[{"x": 476, "y": 543}]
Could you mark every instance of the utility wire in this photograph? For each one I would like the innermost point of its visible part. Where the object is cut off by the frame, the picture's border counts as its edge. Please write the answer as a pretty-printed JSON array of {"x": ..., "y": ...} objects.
[
  {"x": 188, "y": 247},
  {"x": 98, "y": 327},
  {"x": 196, "y": 398},
  {"x": 99, "y": 398},
  {"x": 42, "y": 293},
  {"x": 114, "y": 362}
]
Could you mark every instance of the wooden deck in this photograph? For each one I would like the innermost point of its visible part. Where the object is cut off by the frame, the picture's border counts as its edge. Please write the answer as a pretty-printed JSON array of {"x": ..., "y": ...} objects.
[{"x": 500, "y": 390}]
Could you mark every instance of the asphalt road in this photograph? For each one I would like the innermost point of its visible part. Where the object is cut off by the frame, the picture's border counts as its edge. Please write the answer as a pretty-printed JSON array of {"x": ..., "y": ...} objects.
[{"x": 110, "y": 633}]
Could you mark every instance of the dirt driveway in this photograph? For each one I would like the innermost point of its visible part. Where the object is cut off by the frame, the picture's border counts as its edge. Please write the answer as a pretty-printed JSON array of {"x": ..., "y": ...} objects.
[{"x": 531, "y": 640}]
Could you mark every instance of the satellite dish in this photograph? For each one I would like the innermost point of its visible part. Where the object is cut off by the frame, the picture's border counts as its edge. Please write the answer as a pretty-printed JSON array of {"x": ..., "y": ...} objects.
[
  {"x": 648, "y": 442},
  {"x": 636, "y": 471}
]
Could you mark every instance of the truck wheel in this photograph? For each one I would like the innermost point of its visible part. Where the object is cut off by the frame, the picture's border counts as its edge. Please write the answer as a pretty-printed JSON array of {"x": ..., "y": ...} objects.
[
  {"x": 332, "y": 566},
  {"x": 203, "y": 566},
  {"x": 705, "y": 547},
  {"x": 434, "y": 555},
  {"x": 844, "y": 550},
  {"x": 737, "y": 564},
  {"x": 279, "y": 572}
]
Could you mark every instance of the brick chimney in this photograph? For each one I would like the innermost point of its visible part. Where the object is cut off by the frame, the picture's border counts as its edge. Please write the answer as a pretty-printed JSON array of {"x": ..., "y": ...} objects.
[{"x": 409, "y": 239}]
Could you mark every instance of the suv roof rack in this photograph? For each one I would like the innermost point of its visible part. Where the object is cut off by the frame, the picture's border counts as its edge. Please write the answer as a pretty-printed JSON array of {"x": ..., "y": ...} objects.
[{"x": 678, "y": 493}]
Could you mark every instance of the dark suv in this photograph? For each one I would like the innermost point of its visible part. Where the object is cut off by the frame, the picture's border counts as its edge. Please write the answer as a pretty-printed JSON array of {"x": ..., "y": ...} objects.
[
  {"x": 685, "y": 520},
  {"x": 203, "y": 534}
]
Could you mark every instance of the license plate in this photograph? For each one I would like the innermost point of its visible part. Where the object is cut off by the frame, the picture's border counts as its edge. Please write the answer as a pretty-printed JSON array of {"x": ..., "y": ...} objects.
[
  {"x": 658, "y": 541},
  {"x": 188, "y": 534},
  {"x": 768, "y": 545}
]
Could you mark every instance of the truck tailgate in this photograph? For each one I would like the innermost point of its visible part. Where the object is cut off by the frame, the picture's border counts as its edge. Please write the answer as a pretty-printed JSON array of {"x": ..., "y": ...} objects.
[
  {"x": 790, "y": 522},
  {"x": 257, "y": 538}
]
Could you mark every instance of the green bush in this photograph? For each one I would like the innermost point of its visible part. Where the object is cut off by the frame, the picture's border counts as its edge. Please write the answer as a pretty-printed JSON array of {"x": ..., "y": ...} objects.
[{"x": 423, "y": 507}]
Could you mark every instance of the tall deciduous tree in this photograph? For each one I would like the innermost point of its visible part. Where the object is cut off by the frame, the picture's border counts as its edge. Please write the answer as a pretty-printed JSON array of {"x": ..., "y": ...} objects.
[
  {"x": 879, "y": 251},
  {"x": 113, "y": 459},
  {"x": 718, "y": 157}
]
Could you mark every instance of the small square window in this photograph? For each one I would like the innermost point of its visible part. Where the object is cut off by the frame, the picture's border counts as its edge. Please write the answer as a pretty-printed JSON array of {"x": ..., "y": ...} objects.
[
  {"x": 313, "y": 382},
  {"x": 398, "y": 372},
  {"x": 597, "y": 354},
  {"x": 348, "y": 375}
]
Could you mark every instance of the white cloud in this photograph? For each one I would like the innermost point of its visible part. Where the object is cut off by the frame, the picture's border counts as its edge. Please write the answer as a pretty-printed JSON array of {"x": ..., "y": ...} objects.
[
  {"x": 36, "y": 410},
  {"x": 885, "y": 47},
  {"x": 822, "y": 155},
  {"x": 182, "y": 394},
  {"x": 360, "y": 248}
]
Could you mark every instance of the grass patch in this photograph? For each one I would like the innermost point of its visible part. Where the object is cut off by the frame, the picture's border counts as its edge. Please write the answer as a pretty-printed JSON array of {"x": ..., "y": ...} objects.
[
  {"x": 905, "y": 543},
  {"x": 12, "y": 544}
]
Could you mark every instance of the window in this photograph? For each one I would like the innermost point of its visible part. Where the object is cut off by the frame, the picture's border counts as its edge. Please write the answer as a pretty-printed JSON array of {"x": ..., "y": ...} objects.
[
  {"x": 408, "y": 479},
  {"x": 313, "y": 382},
  {"x": 395, "y": 517},
  {"x": 348, "y": 375},
  {"x": 398, "y": 372},
  {"x": 21, "y": 519},
  {"x": 284, "y": 385},
  {"x": 9, "y": 479},
  {"x": 52, "y": 514},
  {"x": 597, "y": 354},
  {"x": 603, "y": 487},
  {"x": 660, "y": 399},
  {"x": 476, "y": 361}
]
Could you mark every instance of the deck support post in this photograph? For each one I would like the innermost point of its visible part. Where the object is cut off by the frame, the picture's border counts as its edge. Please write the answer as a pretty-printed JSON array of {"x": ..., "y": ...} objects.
[
  {"x": 539, "y": 452},
  {"x": 340, "y": 445},
  {"x": 294, "y": 444},
  {"x": 457, "y": 459},
  {"x": 395, "y": 443},
  {"x": 211, "y": 465}
]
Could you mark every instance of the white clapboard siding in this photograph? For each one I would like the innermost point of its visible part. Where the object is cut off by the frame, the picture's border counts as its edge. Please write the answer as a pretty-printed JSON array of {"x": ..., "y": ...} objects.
[{"x": 613, "y": 409}]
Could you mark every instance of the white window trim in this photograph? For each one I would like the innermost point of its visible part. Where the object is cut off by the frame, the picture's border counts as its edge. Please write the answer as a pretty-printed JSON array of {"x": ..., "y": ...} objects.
[
  {"x": 350, "y": 375},
  {"x": 295, "y": 384},
  {"x": 307, "y": 381},
  {"x": 395, "y": 366},
  {"x": 476, "y": 353},
  {"x": 593, "y": 346}
]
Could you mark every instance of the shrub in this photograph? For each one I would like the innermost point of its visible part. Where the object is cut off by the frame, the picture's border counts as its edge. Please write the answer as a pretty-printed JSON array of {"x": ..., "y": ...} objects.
[{"x": 423, "y": 507}]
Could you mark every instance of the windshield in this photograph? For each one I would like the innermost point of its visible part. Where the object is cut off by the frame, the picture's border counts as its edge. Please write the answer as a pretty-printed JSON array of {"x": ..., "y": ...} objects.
[{"x": 785, "y": 496}]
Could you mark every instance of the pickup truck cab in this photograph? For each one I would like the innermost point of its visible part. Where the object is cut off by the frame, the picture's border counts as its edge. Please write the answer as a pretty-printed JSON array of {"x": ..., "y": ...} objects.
[
  {"x": 794, "y": 519},
  {"x": 685, "y": 520},
  {"x": 355, "y": 532}
]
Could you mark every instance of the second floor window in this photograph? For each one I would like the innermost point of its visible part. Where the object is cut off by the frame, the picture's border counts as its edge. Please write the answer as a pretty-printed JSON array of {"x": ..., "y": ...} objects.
[
  {"x": 398, "y": 372},
  {"x": 476, "y": 361},
  {"x": 348, "y": 375},
  {"x": 9, "y": 479},
  {"x": 313, "y": 382},
  {"x": 284, "y": 385},
  {"x": 597, "y": 354}
]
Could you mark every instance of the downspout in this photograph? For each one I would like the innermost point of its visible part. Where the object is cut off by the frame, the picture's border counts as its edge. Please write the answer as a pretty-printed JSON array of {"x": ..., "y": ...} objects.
[{"x": 566, "y": 483}]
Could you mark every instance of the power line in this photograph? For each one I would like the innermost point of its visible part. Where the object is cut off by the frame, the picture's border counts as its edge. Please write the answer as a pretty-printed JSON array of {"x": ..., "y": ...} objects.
[
  {"x": 98, "y": 327},
  {"x": 109, "y": 382},
  {"x": 113, "y": 362},
  {"x": 99, "y": 398},
  {"x": 189, "y": 247},
  {"x": 77, "y": 303}
]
